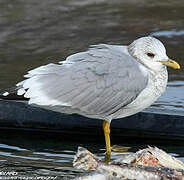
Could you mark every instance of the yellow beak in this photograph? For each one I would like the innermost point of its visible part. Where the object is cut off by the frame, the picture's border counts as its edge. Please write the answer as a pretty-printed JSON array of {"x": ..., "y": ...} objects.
[{"x": 171, "y": 63}]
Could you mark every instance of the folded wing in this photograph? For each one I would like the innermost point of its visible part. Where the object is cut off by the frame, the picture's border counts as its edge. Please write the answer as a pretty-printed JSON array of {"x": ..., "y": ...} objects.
[{"x": 99, "y": 81}]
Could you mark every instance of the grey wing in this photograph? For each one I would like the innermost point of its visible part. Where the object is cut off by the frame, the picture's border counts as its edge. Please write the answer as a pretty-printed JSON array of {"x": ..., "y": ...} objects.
[{"x": 98, "y": 82}]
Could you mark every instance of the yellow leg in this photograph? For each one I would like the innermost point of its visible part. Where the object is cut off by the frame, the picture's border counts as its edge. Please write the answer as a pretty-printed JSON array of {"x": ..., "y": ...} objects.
[{"x": 106, "y": 128}]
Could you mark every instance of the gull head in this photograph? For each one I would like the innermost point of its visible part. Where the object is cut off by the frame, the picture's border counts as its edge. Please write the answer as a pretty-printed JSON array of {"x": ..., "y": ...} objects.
[{"x": 150, "y": 52}]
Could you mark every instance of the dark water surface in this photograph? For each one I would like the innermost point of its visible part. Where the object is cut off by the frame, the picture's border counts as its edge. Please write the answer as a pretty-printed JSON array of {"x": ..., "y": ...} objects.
[
  {"x": 36, "y": 155},
  {"x": 34, "y": 33}
]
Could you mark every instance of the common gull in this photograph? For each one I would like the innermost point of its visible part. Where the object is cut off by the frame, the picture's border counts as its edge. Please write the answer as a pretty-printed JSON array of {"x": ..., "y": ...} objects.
[{"x": 105, "y": 82}]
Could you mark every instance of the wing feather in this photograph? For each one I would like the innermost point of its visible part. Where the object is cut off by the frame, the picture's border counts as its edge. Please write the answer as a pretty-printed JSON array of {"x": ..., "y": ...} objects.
[{"x": 99, "y": 81}]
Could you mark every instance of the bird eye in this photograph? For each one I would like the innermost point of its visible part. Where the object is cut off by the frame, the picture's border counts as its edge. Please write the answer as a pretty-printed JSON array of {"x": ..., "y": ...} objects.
[{"x": 151, "y": 55}]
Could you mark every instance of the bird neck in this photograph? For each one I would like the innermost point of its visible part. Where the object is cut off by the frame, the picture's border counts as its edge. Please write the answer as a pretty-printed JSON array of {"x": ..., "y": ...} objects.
[{"x": 159, "y": 81}]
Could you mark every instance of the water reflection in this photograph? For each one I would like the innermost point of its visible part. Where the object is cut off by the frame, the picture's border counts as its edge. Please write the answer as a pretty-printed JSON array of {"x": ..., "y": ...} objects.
[
  {"x": 168, "y": 34},
  {"x": 54, "y": 157},
  {"x": 173, "y": 98}
]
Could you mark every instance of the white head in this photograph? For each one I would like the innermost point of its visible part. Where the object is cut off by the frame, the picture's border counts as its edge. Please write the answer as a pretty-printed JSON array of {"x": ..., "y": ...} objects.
[{"x": 150, "y": 52}]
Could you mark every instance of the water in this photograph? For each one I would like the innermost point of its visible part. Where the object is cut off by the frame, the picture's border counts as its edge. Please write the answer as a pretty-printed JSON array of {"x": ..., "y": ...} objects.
[
  {"x": 34, "y": 33},
  {"x": 173, "y": 98},
  {"x": 35, "y": 155}
]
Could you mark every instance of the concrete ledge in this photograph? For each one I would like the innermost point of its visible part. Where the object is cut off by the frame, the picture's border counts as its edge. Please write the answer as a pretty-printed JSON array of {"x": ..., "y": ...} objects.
[{"x": 152, "y": 123}]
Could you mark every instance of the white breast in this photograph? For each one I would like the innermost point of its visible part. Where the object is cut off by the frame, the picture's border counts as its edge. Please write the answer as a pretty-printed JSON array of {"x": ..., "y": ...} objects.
[{"x": 156, "y": 86}]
